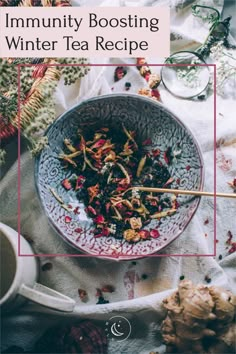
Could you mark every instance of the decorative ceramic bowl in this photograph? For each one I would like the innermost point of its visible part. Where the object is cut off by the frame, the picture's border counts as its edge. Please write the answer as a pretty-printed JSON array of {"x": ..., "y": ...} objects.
[{"x": 150, "y": 120}]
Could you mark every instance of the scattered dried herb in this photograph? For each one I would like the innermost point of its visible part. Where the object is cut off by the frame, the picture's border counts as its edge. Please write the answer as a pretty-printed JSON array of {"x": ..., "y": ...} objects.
[{"x": 105, "y": 165}]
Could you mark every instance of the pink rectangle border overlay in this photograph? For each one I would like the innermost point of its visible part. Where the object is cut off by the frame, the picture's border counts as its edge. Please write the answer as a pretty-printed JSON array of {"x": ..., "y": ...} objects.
[{"x": 104, "y": 256}]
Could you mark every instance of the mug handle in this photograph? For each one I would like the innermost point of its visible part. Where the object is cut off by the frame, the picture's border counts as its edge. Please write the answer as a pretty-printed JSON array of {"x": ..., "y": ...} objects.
[{"x": 47, "y": 297}]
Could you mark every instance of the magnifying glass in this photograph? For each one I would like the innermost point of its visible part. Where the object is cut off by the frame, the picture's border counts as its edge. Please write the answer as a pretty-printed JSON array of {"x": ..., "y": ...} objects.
[{"x": 183, "y": 77}]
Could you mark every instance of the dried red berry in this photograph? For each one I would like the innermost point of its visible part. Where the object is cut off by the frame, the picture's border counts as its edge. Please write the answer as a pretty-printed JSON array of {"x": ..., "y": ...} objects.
[
  {"x": 206, "y": 222},
  {"x": 188, "y": 167},
  {"x": 120, "y": 72},
  {"x": 144, "y": 234}
]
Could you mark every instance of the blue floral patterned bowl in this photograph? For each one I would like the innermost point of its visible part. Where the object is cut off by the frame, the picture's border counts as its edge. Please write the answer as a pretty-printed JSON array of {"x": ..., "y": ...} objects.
[{"x": 150, "y": 120}]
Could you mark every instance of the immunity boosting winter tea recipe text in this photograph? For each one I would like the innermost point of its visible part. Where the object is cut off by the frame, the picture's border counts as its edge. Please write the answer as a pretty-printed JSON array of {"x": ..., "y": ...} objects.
[{"x": 103, "y": 32}]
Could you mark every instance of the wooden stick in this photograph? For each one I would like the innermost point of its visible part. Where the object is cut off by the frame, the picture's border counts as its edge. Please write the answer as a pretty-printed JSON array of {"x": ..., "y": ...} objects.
[{"x": 181, "y": 191}]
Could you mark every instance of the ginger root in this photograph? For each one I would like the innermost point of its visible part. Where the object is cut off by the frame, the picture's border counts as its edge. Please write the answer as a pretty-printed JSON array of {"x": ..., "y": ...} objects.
[{"x": 199, "y": 320}]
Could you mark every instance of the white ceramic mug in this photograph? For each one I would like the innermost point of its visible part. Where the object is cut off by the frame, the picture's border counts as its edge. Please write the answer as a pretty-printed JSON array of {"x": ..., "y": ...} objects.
[{"x": 19, "y": 275}]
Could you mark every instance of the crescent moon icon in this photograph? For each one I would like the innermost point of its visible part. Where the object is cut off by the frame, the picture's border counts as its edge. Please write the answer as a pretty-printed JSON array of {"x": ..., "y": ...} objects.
[{"x": 115, "y": 331}]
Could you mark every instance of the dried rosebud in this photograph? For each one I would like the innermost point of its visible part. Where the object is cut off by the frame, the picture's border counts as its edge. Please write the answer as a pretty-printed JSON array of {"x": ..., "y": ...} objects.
[
  {"x": 66, "y": 184},
  {"x": 144, "y": 234},
  {"x": 154, "y": 233}
]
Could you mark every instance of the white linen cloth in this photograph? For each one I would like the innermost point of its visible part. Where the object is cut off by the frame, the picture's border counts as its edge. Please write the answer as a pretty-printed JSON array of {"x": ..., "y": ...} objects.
[{"x": 140, "y": 287}]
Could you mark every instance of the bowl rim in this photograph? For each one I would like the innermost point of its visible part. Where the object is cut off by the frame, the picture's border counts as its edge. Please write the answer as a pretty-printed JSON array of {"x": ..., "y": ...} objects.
[{"x": 122, "y": 257}]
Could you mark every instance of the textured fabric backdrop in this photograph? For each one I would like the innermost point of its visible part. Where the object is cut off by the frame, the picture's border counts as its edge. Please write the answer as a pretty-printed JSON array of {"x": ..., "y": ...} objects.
[{"x": 139, "y": 286}]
